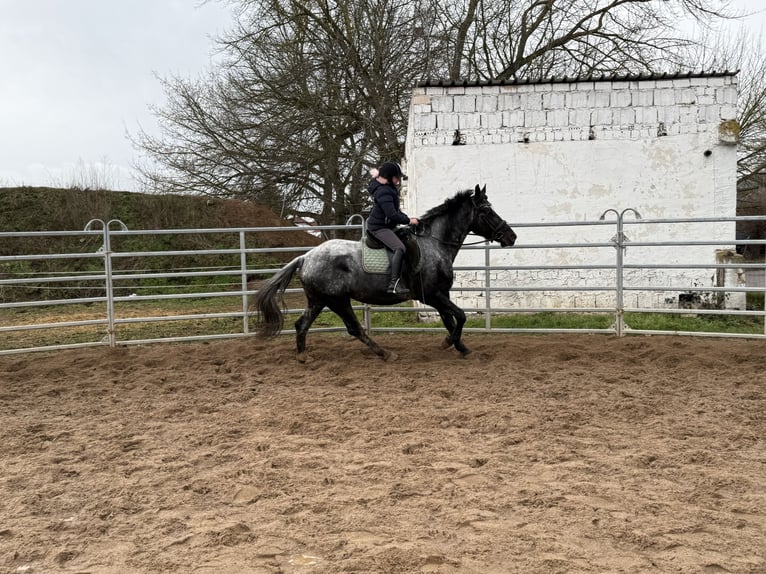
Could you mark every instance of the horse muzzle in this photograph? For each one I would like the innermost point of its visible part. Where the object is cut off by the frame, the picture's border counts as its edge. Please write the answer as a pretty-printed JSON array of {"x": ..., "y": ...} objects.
[{"x": 506, "y": 238}]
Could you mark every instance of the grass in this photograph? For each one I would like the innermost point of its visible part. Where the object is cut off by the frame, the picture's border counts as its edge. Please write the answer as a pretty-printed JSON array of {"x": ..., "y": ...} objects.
[
  {"x": 695, "y": 323},
  {"x": 380, "y": 321}
]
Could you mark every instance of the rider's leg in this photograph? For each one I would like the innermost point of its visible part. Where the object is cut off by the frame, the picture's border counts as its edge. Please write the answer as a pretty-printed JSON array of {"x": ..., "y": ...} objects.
[
  {"x": 395, "y": 286},
  {"x": 392, "y": 242}
]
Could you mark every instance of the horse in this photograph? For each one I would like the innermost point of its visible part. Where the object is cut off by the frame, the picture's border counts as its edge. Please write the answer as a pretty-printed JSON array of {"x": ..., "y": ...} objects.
[{"x": 332, "y": 274}]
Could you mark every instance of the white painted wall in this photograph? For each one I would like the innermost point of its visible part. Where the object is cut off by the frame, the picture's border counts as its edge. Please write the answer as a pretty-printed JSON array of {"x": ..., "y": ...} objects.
[{"x": 592, "y": 145}]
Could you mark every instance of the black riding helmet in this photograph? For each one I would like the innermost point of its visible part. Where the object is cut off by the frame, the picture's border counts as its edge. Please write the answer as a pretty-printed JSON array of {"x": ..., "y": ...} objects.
[{"x": 391, "y": 169}]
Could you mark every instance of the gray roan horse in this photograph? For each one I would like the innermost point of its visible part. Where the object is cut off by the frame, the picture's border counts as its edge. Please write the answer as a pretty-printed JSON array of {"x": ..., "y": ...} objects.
[{"x": 332, "y": 274}]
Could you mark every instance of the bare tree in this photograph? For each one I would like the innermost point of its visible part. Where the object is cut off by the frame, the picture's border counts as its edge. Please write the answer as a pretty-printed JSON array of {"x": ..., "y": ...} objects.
[
  {"x": 738, "y": 50},
  {"x": 751, "y": 164},
  {"x": 309, "y": 94},
  {"x": 501, "y": 39}
]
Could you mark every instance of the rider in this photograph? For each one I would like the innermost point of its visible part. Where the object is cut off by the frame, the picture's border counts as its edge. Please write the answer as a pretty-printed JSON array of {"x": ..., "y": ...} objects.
[{"x": 386, "y": 215}]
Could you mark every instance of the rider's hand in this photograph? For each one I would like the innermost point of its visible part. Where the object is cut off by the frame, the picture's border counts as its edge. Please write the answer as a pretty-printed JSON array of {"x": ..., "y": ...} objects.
[{"x": 414, "y": 221}]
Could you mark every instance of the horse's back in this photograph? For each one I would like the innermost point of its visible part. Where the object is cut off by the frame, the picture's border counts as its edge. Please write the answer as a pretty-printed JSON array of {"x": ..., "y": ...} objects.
[{"x": 331, "y": 259}]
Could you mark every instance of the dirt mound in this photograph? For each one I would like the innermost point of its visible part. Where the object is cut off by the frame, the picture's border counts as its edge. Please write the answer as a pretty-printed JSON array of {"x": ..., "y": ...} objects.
[{"x": 48, "y": 209}]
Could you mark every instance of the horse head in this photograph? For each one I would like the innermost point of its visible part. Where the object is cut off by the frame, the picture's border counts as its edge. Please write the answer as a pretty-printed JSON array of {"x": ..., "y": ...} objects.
[{"x": 487, "y": 223}]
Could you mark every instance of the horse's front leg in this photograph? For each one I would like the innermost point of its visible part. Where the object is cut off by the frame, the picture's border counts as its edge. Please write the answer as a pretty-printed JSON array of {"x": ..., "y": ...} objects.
[
  {"x": 453, "y": 318},
  {"x": 449, "y": 324}
]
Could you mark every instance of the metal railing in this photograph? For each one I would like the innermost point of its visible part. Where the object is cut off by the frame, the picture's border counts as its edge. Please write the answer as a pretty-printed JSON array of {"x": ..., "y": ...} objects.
[{"x": 110, "y": 293}]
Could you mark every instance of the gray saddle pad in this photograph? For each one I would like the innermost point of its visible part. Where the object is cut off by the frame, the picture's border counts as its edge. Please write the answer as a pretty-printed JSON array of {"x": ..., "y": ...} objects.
[{"x": 375, "y": 260}]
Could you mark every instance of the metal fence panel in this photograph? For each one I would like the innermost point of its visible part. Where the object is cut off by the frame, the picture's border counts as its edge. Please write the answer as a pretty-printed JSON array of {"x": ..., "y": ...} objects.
[{"x": 114, "y": 294}]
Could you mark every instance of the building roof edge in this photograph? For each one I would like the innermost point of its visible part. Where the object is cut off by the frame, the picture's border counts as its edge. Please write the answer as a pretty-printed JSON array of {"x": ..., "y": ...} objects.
[{"x": 646, "y": 76}]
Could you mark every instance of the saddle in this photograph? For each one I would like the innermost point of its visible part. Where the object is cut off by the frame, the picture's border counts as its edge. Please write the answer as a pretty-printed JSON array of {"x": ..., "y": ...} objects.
[{"x": 376, "y": 258}]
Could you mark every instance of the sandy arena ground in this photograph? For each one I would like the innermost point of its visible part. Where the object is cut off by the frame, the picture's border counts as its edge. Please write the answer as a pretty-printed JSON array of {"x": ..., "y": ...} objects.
[{"x": 538, "y": 454}]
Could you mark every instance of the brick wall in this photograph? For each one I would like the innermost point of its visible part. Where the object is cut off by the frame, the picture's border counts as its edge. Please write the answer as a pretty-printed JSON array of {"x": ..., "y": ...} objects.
[
  {"x": 575, "y": 111},
  {"x": 569, "y": 150}
]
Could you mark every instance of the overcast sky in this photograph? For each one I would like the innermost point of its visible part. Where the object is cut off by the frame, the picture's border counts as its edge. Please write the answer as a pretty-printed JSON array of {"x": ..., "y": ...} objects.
[{"x": 77, "y": 75}]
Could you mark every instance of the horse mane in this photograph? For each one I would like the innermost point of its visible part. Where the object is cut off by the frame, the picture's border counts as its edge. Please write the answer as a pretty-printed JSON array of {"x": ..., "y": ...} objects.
[{"x": 449, "y": 205}]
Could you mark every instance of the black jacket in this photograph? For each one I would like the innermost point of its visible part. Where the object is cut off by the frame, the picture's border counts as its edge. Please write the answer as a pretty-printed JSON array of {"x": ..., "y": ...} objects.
[{"x": 385, "y": 210}]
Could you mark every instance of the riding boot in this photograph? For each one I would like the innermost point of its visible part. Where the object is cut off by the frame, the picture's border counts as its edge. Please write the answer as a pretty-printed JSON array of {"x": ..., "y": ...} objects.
[{"x": 395, "y": 286}]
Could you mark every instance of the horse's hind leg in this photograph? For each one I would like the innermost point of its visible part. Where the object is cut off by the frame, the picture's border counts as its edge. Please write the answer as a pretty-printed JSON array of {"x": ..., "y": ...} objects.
[
  {"x": 344, "y": 311},
  {"x": 302, "y": 325}
]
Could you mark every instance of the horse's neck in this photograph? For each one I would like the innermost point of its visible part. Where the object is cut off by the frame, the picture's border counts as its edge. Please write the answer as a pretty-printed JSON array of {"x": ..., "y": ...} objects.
[{"x": 451, "y": 230}]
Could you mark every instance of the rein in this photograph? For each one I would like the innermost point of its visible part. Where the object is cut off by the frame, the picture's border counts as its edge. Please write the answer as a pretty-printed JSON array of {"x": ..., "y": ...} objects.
[
  {"x": 426, "y": 232},
  {"x": 445, "y": 242},
  {"x": 483, "y": 240}
]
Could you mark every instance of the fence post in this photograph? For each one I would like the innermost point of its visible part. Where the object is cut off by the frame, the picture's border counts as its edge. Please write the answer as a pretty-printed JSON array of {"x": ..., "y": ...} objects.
[
  {"x": 366, "y": 313},
  {"x": 487, "y": 286},
  {"x": 367, "y": 317},
  {"x": 106, "y": 249},
  {"x": 243, "y": 267},
  {"x": 764, "y": 297},
  {"x": 620, "y": 239}
]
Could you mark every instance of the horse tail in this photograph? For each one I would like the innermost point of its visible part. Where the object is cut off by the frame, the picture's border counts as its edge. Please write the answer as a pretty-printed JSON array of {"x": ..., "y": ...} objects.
[{"x": 268, "y": 313}]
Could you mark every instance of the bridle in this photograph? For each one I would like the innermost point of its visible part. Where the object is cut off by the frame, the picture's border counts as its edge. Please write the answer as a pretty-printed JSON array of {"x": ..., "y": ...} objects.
[{"x": 496, "y": 231}]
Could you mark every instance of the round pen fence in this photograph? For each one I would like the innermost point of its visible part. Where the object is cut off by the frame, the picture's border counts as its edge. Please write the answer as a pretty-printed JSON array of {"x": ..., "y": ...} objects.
[{"x": 95, "y": 287}]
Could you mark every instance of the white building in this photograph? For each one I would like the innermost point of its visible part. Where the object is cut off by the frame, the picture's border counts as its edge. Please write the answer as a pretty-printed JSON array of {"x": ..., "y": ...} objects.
[{"x": 568, "y": 150}]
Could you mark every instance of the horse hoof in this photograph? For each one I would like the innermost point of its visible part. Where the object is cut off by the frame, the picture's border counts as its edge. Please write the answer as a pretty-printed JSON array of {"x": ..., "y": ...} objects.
[
  {"x": 446, "y": 343},
  {"x": 390, "y": 356},
  {"x": 303, "y": 357}
]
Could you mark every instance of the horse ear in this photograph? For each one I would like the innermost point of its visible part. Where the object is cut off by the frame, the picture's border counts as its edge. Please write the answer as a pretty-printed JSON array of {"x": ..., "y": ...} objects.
[{"x": 479, "y": 193}]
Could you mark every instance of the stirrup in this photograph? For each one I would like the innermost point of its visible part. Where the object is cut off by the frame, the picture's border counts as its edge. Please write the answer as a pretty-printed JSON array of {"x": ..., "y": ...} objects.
[{"x": 397, "y": 288}]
